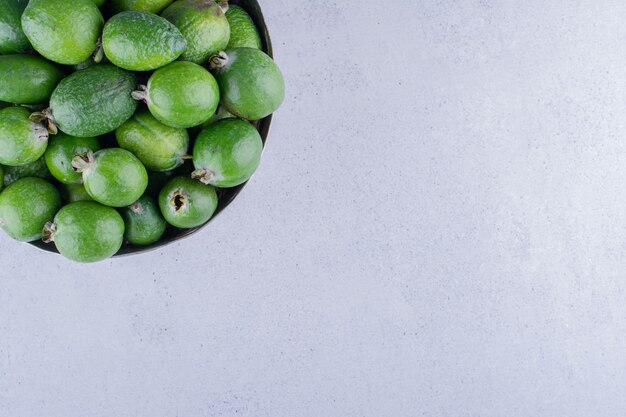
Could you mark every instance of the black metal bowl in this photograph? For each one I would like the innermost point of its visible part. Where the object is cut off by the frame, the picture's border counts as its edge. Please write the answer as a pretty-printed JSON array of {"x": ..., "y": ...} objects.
[{"x": 226, "y": 196}]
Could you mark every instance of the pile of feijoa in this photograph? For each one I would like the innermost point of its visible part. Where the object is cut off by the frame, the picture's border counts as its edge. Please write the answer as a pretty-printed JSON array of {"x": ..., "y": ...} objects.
[{"x": 122, "y": 118}]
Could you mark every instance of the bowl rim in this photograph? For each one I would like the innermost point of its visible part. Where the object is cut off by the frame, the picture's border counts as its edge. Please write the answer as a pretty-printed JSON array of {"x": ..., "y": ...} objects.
[{"x": 227, "y": 196}]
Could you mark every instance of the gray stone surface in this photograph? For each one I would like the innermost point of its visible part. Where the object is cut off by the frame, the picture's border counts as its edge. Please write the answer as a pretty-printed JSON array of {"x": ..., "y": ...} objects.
[{"x": 437, "y": 229}]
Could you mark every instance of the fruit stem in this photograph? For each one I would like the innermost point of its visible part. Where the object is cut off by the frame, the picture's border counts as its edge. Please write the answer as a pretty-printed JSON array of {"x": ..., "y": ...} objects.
[
  {"x": 82, "y": 163},
  {"x": 178, "y": 200},
  {"x": 218, "y": 61},
  {"x": 203, "y": 175},
  {"x": 141, "y": 94},
  {"x": 98, "y": 54},
  {"x": 45, "y": 116},
  {"x": 49, "y": 230},
  {"x": 224, "y": 5}
]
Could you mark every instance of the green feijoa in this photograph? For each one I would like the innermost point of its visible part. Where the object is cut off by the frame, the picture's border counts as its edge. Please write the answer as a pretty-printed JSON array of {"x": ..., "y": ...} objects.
[
  {"x": 26, "y": 206},
  {"x": 27, "y": 79},
  {"x": 86, "y": 231},
  {"x": 12, "y": 38},
  {"x": 93, "y": 101},
  {"x": 61, "y": 151},
  {"x": 114, "y": 176},
  {"x": 22, "y": 141},
  {"x": 187, "y": 203},
  {"x": 227, "y": 153},
  {"x": 64, "y": 31},
  {"x": 250, "y": 82},
  {"x": 37, "y": 169},
  {"x": 204, "y": 25},
  {"x": 243, "y": 32},
  {"x": 144, "y": 222},
  {"x": 141, "y": 41},
  {"x": 159, "y": 147},
  {"x": 151, "y": 6},
  {"x": 74, "y": 192},
  {"x": 181, "y": 94}
]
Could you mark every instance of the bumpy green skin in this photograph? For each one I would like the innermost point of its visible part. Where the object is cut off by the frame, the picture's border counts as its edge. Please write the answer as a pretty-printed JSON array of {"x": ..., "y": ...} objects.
[
  {"x": 75, "y": 192},
  {"x": 158, "y": 147},
  {"x": 204, "y": 25},
  {"x": 64, "y": 31},
  {"x": 94, "y": 101},
  {"x": 21, "y": 140},
  {"x": 151, "y": 6},
  {"x": 182, "y": 94},
  {"x": 61, "y": 149},
  {"x": 141, "y": 41},
  {"x": 251, "y": 84},
  {"x": 144, "y": 222},
  {"x": 27, "y": 79},
  {"x": 116, "y": 178},
  {"x": 88, "y": 232},
  {"x": 26, "y": 206},
  {"x": 230, "y": 151},
  {"x": 243, "y": 32},
  {"x": 12, "y": 38},
  {"x": 200, "y": 202},
  {"x": 37, "y": 169}
]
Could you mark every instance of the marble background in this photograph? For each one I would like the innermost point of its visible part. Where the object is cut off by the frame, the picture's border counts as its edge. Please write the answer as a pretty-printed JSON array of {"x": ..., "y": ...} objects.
[{"x": 438, "y": 228}]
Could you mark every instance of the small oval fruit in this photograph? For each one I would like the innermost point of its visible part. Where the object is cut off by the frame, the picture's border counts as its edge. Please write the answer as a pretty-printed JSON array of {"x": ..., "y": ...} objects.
[
  {"x": 159, "y": 147},
  {"x": 27, "y": 79},
  {"x": 140, "y": 41},
  {"x": 86, "y": 231},
  {"x": 64, "y": 31},
  {"x": 250, "y": 82},
  {"x": 114, "y": 176},
  {"x": 151, "y": 6},
  {"x": 181, "y": 94},
  {"x": 227, "y": 153},
  {"x": 243, "y": 32},
  {"x": 12, "y": 38},
  {"x": 74, "y": 192},
  {"x": 61, "y": 151},
  {"x": 22, "y": 141},
  {"x": 187, "y": 203},
  {"x": 204, "y": 25},
  {"x": 37, "y": 169},
  {"x": 26, "y": 206},
  {"x": 93, "y": 101},
  {"x": 143, "y": 221}
]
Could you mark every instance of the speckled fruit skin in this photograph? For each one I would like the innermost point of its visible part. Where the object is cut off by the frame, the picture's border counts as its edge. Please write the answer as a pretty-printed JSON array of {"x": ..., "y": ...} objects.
[
  {"x": 144, "y": 222},
  {"x": 141, "y": 41},
  {"x": 36, "y": 169},
  {"x": 182, "y": 94},
  {"x": 243, "y": 32},
  {"x": 230, "y": 151},
  {"x": 61, "y": 149},
  {"x": 27, "y": 79},
  {"x": 204, "y": 25},
  {"x": 159, "y": 147},
  {"x": 251, "y": 84},
  {"x": 12, "y": 38},
  {"x": 116, "y": 178},
  {"x": 74, "y": 192},
  {"x": 26, "y": 206},
  {"x": 94, "y": 101},
  {"x": 64, "y": 31},
  {"x": 87, "y": 231},
  {"x": 21, "y": 140},
  {"x": 197, "y": 202},
  {"x": 151, "y": 6}
]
